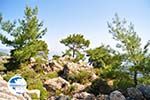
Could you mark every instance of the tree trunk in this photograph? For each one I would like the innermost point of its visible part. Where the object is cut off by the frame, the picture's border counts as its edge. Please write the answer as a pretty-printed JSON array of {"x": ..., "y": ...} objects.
[
  {"x": 135, "y": 77},
  {"x": 73, "y": 53}
]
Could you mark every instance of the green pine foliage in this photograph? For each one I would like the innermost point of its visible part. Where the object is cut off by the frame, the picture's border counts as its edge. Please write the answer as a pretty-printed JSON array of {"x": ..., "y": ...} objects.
[
  {"x": 130, "y": 44},
  {"x": 76, "y": 44},
  {"x": 25, "y": 36},
  {"x": 99, "y": 57},
  {"x": 81, "y": 77}
]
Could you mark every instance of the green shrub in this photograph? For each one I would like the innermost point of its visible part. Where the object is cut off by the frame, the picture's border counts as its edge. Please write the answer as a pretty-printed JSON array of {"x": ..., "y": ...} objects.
[
  {"x": 12, "y": 65},
  {"x": 8, "y": 75},
  {"x": 70, "y": 90},
  {"x": 144, "y": 80},
  {"x": 56, "y": 57},
  {"x": 32, "y": 78},
  {"x": 34, "y": 82},
  {"x": 123, "y": 84},
  {"x": 80, "y": 77},
  {"x": 121, "y": 79},
  {"x": 52, "y": 75},
  {"x": 49, "y": 76},
  {"x": 99, "y": 86},
  {"x": 37, "y": 84}
]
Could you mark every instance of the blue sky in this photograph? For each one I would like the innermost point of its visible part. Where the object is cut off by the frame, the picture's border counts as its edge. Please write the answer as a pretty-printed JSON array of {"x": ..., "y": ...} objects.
[{"x": 88, "y": 17}]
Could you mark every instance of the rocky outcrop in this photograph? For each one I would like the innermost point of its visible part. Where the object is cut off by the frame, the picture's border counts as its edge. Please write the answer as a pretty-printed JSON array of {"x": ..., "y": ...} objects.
[
  {"x": 56, "y": 84},
  {"x": 83, "y": 96},
  {"x": 64, "y": 67},
  {"x": 5, "y": 94},
  {"x": 145, "y": 89},
  {"x": 4, "y": 58},
  {"x": 78, "y": 87},
  {"x": 116, "y": 95},
  {"x": 57, "y": 65},
  {"x": 134, "y": 94},
  {"x": 61, "y": 97}
]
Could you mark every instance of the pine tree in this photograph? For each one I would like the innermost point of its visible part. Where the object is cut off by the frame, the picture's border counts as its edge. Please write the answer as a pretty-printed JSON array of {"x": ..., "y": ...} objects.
[
  {"x": 76, "y": 43},
  {"x": 24, "y": 36},
  {"x": 130, "y": 44}
]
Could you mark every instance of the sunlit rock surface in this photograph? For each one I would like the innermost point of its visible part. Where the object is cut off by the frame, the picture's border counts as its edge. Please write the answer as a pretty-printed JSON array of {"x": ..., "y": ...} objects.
[{"x": 5, "y": 94}]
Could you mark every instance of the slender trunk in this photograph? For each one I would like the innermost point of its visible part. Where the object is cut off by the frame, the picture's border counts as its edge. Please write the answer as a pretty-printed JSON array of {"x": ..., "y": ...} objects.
[
  {"x": 73, "y": 53},
  {"x": 135, "y": 77}
]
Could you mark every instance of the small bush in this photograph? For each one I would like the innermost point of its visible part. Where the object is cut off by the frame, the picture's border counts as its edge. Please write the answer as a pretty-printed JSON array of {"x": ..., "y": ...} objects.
[
  {"x": 70, "y": 90},
  {"x": 49, "y": 75},
  {"x": 145, "y": 80},
  {"x": 80, "y": 77},
  {"x": 8, "y": 75},
  {"x": 56, "y": 57},
  {"x": 37, "y": 84},
  {"x": 99, "y": 86},
  {"x": 12, "y": 65},
  {"x": 32, "y": 78},
  {"x": 123, "y": 84},
  {"x": 34, "y": 82}
]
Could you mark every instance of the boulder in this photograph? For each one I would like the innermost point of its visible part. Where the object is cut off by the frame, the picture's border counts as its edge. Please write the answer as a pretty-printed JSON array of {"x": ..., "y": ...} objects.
[
  {"x": 52, "y": 66},
  {"x": 135, "y": 94},
  {"x": 83, "y": 96},
  {"x": 4, "y": 58},
  {"x": 57, "y": 65},
  {"x": 46, "y": 68},
  {"x": 145, "y": 89},
  {"x": 57, "y": 83},
  {"x": 5, "y": 93},
  {"x": 116, "y": 95},
  {"x": 102, "y": 97},
  {"x": 61, "y": 97},
  {"x": 78, "y": 87}
]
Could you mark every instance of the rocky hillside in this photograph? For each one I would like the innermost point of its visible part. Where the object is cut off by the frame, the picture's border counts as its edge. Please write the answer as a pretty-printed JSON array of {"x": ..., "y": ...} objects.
[
  {"x": 65, "y": 79},
  {"x": 71, "y": 84}
]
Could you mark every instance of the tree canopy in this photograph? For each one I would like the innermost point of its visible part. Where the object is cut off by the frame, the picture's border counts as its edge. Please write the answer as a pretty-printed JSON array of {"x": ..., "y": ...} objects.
[
  {"x": 76, "y": 43},
  {"x": 130, "y": 44},
  {"x": 100, "y": 56},
  {"x": 25, "y": 36}
]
